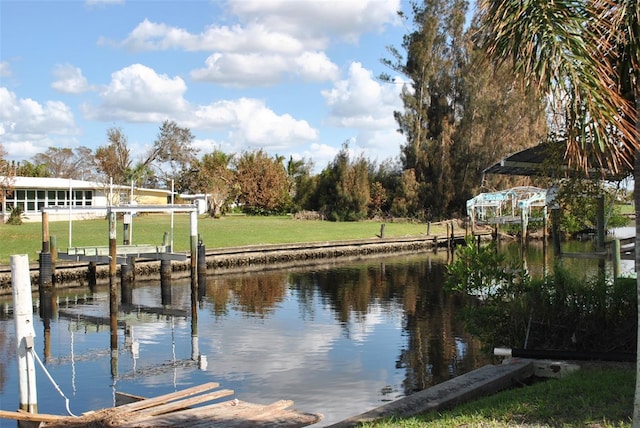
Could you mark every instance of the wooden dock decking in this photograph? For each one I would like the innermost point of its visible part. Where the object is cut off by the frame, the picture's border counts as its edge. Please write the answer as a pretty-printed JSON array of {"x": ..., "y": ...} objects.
[{"x": 177, "y": 410}]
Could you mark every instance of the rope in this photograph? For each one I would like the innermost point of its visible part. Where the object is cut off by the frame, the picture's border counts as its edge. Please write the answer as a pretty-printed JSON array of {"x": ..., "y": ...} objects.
[{"x": 53, "y": 382}]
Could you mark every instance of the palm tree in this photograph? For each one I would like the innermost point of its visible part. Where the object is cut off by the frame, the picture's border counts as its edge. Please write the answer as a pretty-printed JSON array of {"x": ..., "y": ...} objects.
[{"x": 585, "y": 54}]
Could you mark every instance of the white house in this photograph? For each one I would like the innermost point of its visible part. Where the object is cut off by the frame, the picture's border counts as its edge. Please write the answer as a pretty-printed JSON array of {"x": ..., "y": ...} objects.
[{"x": 88, "y": 198}]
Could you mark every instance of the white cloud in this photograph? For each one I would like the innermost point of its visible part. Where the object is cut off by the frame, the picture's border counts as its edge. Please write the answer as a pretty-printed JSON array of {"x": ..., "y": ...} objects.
[
  {"x": 308, "y": 19},
  {"x": 5, "y": 69},
  {"x": 138, "y": 94},
  {"x": 362, "y": 102},
  {"x": 252, "y": 38},
  {"x": 28, "y": 127},
  {"x": 274, "y": 40},
  {"x": 69, "y": 79},
  {"x": 250, "y": 123},
  {"x": 256, "y": 69}
]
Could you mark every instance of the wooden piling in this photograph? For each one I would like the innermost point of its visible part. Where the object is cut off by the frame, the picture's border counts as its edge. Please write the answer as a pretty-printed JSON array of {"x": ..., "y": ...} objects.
[
  {"x": 46, "y": 275},
  {"x": 113, "y": 291},
  {"x": 193, "y": 218},
  {"x": 202, "y": 269},
  {"x": 25, "y": 333},
  {"x": 616, "y": 259}
]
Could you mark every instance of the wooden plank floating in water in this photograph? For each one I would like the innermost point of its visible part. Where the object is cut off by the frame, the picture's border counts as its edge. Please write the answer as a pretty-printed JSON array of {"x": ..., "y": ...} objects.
[{"x": 176, "y": 410}]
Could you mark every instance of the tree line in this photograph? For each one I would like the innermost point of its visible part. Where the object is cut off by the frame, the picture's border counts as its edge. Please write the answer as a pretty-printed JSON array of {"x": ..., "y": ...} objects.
[{"x": 461, "y": 113}]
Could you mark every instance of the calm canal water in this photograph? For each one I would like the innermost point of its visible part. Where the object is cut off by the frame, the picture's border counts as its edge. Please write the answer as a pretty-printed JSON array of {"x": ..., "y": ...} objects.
[{"x": 338, "y": 340}]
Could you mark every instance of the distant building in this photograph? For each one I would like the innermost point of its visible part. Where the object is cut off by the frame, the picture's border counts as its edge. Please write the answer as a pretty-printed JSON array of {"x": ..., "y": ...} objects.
[{"x": 89, "y": 199}]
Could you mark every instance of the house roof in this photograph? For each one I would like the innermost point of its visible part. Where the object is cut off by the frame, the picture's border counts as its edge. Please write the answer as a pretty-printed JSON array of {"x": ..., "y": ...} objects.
[{"x": 50, "y": 183}]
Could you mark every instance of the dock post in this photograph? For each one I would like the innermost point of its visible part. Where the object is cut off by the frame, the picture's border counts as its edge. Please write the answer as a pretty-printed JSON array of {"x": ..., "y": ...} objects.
[
  {"x": 600, "y": 224},
  {"x": 193, "y": 220},
  {"x": 428, "y": 228},
  {"x": 25, "y": 333},
  {"x": 202, "y": 268},
  {"x": 165, "y": 282},
  {"x": 452, "y": 239},
  {"x": 92, "y": 275},
  {"x": 46, "y": 275},
  {"x": 382, "y": 226},
  {"x": 53, "y": 249},
  {"x": 616, "y": 259},
  {"x": 113, "y": 291}
]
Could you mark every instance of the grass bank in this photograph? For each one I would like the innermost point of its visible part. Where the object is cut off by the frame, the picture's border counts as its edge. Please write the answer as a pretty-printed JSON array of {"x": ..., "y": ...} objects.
[
  {"x": 593, "y": 397},
  {"x": 229, "y": 231}
]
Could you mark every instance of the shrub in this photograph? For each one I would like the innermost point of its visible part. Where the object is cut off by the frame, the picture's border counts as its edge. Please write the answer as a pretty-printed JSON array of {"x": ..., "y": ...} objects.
[
  {"x": 563, "y": 311},
  {"x": 15, "y": 217}
]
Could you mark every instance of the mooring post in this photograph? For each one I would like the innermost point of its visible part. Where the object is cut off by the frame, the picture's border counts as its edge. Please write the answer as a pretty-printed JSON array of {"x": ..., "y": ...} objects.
[
  {"x": 600, "y": 232},
  {"x": 193, "y": 220},
  {"x": 53, "y": 248},
  {"x": 25, "y": 332},
  {"x": 92, "y": 275},
  {"x": 45, "y": 276},
  {"x": 452, "y": 240},
  {"x": 165, "y": 282},
  {"x": 428, "y": 228},
  {"x": 616, "y": 259},
  {"x": 202, "y": 268},
  {"x": 113, "y": 291},
  {"x": 382, "y": 226}
]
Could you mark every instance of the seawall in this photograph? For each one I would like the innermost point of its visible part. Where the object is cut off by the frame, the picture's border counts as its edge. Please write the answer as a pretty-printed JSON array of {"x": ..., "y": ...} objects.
[{"x": 245, "y": 258}]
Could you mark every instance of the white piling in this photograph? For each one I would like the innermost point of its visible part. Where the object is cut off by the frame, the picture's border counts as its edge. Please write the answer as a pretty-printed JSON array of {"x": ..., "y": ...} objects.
[{"x": 25, "y": 333}]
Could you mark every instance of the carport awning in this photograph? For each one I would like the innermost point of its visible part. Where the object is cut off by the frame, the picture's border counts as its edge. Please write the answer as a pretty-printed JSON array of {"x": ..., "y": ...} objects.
[
  {"x": 541, "y": 161},
  {"x": 527, "y": 162}
]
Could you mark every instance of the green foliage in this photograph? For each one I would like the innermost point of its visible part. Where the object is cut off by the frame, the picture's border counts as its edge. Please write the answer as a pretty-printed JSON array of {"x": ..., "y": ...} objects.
[
  {"x": 560, "y": 311},
  {"x": 578, "y": 202},
  {"x": 262, "y": 184},
  {"x": 15, "y": 218},
  {"x": 344, "y": 188},
  {"x": 480, "y": 271}
]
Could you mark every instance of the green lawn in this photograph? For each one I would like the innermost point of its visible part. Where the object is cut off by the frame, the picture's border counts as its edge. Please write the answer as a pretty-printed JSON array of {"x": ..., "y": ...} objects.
[
  {"x": 233, "y": 230},
  {"x": 588, "y": 398}
]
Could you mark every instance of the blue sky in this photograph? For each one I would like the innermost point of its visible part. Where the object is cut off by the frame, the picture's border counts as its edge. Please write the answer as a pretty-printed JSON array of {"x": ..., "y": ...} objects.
[{"x": 294, "y": 77}]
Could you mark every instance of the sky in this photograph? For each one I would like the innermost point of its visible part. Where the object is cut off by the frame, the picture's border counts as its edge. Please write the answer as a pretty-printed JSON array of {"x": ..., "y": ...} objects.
[{"x": 297, "y": 78}]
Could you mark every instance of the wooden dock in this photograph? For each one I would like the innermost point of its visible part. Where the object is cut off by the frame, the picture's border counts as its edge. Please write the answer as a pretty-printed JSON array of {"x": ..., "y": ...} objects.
[{"x": 185, "y": 408}]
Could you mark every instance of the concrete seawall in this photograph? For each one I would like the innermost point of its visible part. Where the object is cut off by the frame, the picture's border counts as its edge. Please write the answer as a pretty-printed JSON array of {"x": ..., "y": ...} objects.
[{"x": 246, "y": 258}]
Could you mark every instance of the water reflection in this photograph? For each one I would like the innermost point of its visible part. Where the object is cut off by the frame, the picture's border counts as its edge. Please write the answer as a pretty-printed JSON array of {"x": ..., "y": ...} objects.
[{"x": 338, "y": 340}]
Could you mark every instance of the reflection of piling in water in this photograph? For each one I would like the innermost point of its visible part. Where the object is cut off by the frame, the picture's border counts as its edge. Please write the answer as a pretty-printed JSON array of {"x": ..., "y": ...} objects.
[
  {"x": 46, "y": 313},
  {"x": 127, "y": 279},
  {"x": 165, "y": 282}
]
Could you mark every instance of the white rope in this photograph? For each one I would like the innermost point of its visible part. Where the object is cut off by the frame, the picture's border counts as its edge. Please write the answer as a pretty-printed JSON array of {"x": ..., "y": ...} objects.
[{"x": 53, "y": 382}]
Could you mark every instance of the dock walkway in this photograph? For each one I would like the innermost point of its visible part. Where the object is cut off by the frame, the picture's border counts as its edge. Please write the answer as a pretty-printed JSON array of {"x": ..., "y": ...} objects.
[{"x": 177, "y": 410}]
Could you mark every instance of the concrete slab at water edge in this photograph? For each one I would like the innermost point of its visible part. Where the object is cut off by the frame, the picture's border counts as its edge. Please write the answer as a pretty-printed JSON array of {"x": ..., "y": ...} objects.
[{"x": 483, "y": 381}]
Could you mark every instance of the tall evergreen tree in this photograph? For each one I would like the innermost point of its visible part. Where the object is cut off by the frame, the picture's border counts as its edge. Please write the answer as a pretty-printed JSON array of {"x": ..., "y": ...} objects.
[{"x": 432, "y": 105}]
